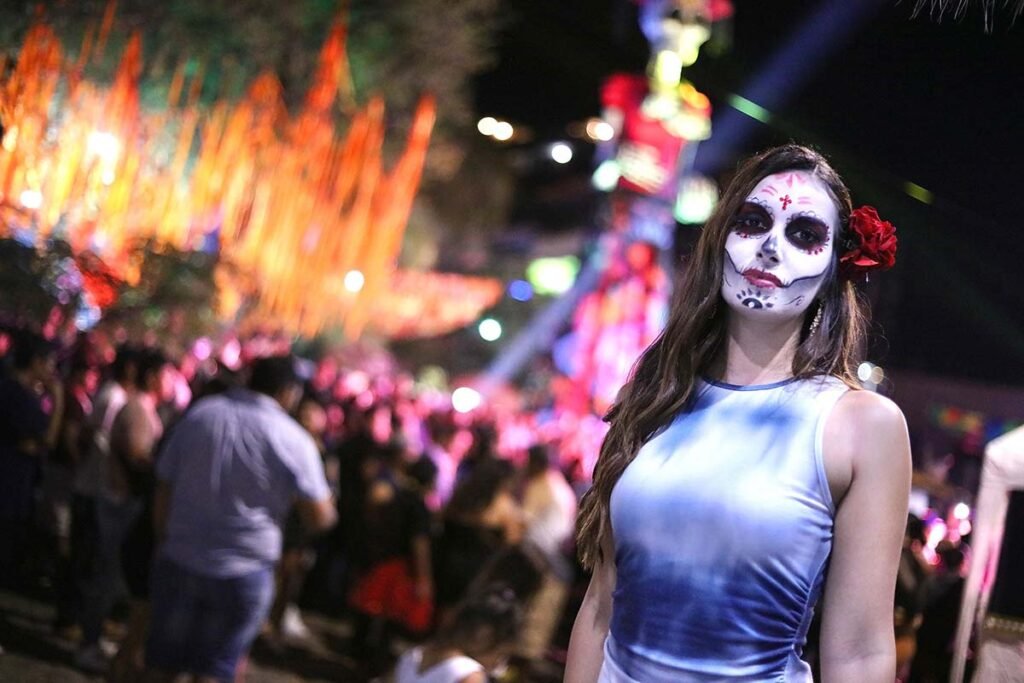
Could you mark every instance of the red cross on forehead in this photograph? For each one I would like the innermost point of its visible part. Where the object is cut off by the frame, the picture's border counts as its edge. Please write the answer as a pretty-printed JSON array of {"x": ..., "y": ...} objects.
[{"x": 786, "y": 201}]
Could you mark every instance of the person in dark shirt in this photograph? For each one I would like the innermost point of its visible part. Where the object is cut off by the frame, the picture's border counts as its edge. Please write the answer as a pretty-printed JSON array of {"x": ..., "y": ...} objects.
[
  {"x": 933, "y": 658},
  {"x": 394, "y": 588},
  {"x": 27, "y": 431}
]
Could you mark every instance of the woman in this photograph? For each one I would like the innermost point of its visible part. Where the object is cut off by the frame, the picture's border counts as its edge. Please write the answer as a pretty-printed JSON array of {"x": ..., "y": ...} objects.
[{"x": 741, "y": 459}]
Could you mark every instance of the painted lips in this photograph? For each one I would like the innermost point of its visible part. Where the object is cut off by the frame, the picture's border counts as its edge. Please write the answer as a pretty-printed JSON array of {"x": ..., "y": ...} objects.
[{"x": 760, "y": 278}]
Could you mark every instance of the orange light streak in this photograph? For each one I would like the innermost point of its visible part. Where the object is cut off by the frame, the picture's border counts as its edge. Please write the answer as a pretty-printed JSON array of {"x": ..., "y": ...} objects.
[{"x": 293, "y": 202}]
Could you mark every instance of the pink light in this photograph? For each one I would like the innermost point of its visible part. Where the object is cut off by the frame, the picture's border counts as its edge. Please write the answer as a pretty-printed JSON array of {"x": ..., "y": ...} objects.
[
  {"x": 231, "y": 354},
  {"x": 356, "y": 382},
  {"x": 202, "y": 348},
  {"x": 936, "y": 533}
]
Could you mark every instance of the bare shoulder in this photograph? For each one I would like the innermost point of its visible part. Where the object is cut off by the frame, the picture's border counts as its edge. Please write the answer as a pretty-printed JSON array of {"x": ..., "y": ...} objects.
[
  {"x": 475, "y": 677},
  {"x": 861, "y": 408},
  {"x": 871, "y": 429},
  {"x": 865, "y": 438}
]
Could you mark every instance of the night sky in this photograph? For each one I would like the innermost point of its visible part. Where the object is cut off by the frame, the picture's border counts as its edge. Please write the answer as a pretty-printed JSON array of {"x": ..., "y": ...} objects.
[{"x": 898, "y": 100}]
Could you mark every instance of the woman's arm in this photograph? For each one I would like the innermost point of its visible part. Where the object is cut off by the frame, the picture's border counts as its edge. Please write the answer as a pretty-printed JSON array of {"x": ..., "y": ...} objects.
[
  {"x": 586, "y": 646},
  {"x": 866, "y": 434}
]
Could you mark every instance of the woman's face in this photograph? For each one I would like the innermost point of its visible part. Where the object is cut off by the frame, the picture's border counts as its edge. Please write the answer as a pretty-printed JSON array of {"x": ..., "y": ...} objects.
[{"x": 779, "y": 247}]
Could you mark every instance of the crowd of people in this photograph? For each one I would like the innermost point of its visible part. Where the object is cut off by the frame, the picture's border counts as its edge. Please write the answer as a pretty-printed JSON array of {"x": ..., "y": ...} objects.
[{"x": 200, "y": 504}]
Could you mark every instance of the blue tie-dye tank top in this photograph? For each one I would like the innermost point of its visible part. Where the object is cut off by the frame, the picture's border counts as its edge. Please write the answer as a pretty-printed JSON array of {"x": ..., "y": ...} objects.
[{"x": 723, "y": 528}]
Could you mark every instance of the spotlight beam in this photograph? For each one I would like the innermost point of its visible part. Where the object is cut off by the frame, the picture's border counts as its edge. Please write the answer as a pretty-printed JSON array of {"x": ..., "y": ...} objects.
[
  {"x": 788, "y": 70},
  {"x": 821, "y": 33}
]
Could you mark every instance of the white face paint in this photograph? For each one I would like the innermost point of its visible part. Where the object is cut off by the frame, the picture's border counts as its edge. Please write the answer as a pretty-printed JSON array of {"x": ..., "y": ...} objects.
[{"x": 780, "y": 246}]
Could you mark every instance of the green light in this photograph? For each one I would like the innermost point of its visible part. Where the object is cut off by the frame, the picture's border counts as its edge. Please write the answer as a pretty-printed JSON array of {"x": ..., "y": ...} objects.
[
  {"x": 606, "y": 177},
  {"x": 696, "y": 200},
  {"x": 918, "y": 192},
  {"x": 751, "y": 109},
  {"x": 553, "y": 275}
]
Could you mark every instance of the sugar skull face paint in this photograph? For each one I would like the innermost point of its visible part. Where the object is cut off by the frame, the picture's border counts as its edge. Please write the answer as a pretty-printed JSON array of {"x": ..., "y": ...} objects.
[{"x": 780, "y": 246}]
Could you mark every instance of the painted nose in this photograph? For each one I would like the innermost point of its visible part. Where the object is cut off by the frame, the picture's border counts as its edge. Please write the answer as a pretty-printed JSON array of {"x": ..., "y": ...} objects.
[{"x": 769, "y": 250}]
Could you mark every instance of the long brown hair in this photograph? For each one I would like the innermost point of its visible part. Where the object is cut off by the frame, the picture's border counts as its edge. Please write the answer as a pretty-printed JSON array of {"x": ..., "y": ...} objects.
[{"x": 663, "y": 378}]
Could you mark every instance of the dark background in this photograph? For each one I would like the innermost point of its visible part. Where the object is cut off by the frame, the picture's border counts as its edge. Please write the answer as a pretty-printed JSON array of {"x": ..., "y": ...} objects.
[{"x": 898, "y": 100}]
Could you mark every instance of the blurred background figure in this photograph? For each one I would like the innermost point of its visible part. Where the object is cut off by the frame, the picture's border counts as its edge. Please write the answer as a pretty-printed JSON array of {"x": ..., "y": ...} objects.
[
  {"x": 394, "y": 588},
  {"x": 481, "y": 519},
  {"x": 73, "y": 447},
  {"x": 227, "y": 476},
  {"x": 549, "y": 512},
  {"x": 910, "y": 590},
  {"x": 297, "y": 552},
  {"x": 479, "y": 638},
  {"x": 134, "y": 432},
  {"x": 943, "y": 591},
  {"x": 31, "y": 407}
]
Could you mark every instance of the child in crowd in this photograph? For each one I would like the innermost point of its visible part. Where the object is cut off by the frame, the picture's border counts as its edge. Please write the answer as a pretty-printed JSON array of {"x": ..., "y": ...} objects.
[{"x": 479, "y": 637}]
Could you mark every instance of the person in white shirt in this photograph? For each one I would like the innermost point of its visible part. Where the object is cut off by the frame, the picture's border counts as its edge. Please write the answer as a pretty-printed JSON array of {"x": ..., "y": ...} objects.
[
  {"x": 549, "y": 508},
  {"x": 478, "y": 639}
]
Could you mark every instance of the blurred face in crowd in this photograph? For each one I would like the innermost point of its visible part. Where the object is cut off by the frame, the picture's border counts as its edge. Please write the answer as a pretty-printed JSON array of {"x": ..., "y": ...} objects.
[
  {"x": 312, "y": 417},
  {"x": 157, "y": 382},
  {"x": 43, "y": 368},
  {"x": 89, "y": 380},
  {"x": 289, "y": 397}
]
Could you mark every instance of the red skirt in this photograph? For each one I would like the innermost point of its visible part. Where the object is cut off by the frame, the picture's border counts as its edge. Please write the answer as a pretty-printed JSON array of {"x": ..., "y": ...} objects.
[{"x": 388, "y": 590}]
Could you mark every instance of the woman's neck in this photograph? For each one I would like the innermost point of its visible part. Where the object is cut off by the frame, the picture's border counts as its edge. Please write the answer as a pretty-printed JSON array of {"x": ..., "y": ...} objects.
[{"x": 758, "y": 353}]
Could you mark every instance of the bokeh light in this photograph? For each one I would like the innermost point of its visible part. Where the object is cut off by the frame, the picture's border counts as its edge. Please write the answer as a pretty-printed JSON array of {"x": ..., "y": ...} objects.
[
  {"x": 503, "y": 131},
  {"x": 489, "y": 329},
  {"x": 354, "y": 281},
  {"x": 486, "y": 125},
  {"x": 465, "y": 400},
  {"x": 561, "y": 153},
  {"x": 520, "y": 290}
]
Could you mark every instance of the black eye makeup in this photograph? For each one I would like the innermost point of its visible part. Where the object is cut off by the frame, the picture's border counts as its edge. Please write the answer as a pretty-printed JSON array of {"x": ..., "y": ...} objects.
[
  {"x": 808, "y": 232},
  {"x": 753, "y": 218}
]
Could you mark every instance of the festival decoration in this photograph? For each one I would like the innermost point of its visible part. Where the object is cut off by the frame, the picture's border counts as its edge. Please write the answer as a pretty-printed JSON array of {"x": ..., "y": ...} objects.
[
  {"x": 293, "y": 203},
  {"x": 646, "y": 138},
  {"x": 614, "y": 323},
  {"x": 650, "y": 137},
  {"x": 425, "y": 304},
  {"x": 961, "y": 421}
]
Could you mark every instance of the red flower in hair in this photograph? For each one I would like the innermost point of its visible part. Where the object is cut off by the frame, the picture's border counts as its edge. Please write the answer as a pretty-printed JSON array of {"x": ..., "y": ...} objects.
[{"x": 871, "y": 244}]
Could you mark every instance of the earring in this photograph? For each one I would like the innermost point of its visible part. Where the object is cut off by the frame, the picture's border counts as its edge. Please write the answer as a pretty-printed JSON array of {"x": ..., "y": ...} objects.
[{"x": 815, "y": 322}]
